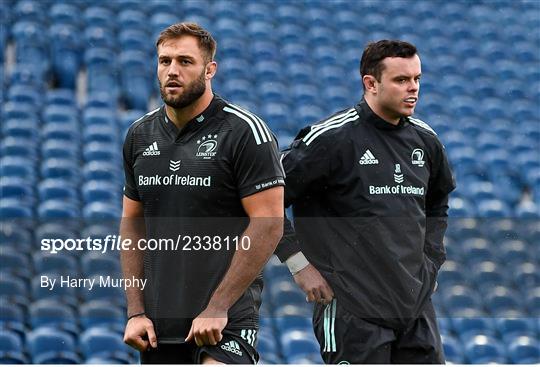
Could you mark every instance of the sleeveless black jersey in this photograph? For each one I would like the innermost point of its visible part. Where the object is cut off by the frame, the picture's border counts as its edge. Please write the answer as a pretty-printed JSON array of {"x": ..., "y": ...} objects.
[{"x": 191, "y": 183}]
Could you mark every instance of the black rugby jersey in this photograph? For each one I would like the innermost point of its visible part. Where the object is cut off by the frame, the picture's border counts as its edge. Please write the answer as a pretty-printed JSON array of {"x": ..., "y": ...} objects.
[
  {"x": 190, "y": 183},
  {"x": 370, "y": 209}
]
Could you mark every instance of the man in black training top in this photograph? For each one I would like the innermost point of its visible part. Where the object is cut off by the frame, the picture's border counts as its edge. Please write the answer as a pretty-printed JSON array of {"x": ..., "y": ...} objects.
[
  {"x": 369, "y": 188},
  {"x": 204, "y": 174}
]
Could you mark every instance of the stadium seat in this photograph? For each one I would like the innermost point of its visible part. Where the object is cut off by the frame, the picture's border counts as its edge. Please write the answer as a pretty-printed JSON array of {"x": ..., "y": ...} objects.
[
  {"x": 459, "y": 298},
  {"x": 59, "y": 131},
  {"x": 64, "y": 295},
  {"x": 488, "y": 274},
  {"x": 65, "y": 54},
  {"x": 48, "y": 312},
  {"x": 58, "y": 209},
  {"x": 13, "y": 261},
  {"x": 59, "y": 148},
  {"x": 11, "y": 312},
  {"x": 21, "y": 94},
  {"x": 524, "y": 350},
  {"x": 17, "y": 188},
  {"x": 297, "y": 343},
  {"x": 453, "y": 351},
  {"x": 50, "y": 345},
  {"x": 96, "y": 313},
  {"x": 477, "y": 249},
  {"x": 64, "y": 13},
  {"x": 59, "y": 263},
  {"x": 101, "y": 211},
  {"x": 501, "y": 299},
  {"x": 100, "y": 342},
  {"x": 511, "y": 328},
  {"x": 21, "y": 128},
  {"x": 132, "y": 19},
  {"x": 533, "y": 302},
  {"x": 526, "y": 275},
  {"x": 95, "y": 263},
  {"x": 10, "y": 342},
  {"x": 15, "y": 209},
  {"x": 467, "y": 327},
  {"x": 103, "y": 152},
  {"x": 484, "y": 349}
]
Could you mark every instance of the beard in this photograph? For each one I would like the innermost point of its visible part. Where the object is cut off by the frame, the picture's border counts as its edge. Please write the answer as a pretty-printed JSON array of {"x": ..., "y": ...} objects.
[{"x": 192, "y": 92}]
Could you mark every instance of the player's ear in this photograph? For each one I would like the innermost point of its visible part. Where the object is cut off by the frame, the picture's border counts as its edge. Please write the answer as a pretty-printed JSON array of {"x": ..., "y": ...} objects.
[
  {"x": 211, "y": 69},
  {"x": 370, "y": 84}
]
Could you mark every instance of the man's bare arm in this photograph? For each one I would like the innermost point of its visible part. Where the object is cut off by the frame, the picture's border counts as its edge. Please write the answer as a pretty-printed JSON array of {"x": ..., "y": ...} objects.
[
  {"x": 265, "y": 229},
  {"x": 139, "y": 331}
]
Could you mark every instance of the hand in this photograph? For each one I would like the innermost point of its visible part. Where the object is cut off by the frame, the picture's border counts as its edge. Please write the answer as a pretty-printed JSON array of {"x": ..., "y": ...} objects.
[
  {"x": 207, "y": 327},
  {"x": 136, "y": 329},
  {"x": 314, "y": 285}
]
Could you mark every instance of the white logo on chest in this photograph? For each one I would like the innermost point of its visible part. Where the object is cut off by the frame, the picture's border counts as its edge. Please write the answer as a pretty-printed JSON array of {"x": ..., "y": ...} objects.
[{"x": 207, "y": 146}]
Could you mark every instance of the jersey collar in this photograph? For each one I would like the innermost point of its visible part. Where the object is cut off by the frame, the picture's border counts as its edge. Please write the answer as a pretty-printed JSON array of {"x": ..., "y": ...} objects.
[
  {"x": 195, "y": 123},
  {"x": 371, "y": 117}
]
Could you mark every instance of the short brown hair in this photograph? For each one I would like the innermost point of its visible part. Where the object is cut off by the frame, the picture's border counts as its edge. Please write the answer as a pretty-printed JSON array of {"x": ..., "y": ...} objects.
[
  {"x": 206, "y": 42},
  {"x": 375, "y": 52}
]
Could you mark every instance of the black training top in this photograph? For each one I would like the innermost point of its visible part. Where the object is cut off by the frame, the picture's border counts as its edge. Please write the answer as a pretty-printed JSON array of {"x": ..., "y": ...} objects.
[
  {"x": 362, "y": 191},
  {"x": 191, "y": 183}
]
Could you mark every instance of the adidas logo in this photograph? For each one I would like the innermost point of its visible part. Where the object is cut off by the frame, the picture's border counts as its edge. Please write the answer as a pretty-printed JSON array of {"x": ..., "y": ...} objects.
[
  {"x": 152, "y": 150},
  {"x": 232, "y": 347},
  {"x": 368, "y": 158}
]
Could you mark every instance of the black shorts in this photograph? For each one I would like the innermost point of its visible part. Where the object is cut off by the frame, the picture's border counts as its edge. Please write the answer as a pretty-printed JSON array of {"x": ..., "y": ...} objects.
[
  {"x": 347, "y": 339},
  {"x": 236, "y": 347}
]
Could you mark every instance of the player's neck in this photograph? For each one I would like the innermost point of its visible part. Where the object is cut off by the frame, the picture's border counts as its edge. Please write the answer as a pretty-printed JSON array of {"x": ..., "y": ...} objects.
[
  {"x": 379, "y": 111},
  {"x": 181, "y": 116}
]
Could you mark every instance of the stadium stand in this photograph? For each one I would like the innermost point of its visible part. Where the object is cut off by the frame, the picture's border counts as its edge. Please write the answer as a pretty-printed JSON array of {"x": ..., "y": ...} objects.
[{"x": 75, "y": 75}]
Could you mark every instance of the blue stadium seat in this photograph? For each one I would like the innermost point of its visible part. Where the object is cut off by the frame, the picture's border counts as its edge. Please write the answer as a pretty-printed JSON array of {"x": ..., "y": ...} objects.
[
  {"x": 100, "y": 313},
  {"x": 59, "y": 148},
  {"x": 13, "y": 357},
  {"x": 101, "y": 211},
  {"x": 526, "y": 275},
  {"x": 60, "y": 114},
  {"x": 64, "y": 13},
  {"x": 10, "y": 342},
  {"x": 100, "y": 342},
  {"x": 16, "y": 236},
  {"x": 13, "y": 261},
  {"x": 266, "y": 343},
  {"x": 10, "y": 312},
  {"x": 524, "y": 350},
  {"x": 99, "y": 17},
  {"x": 18, "y": 147},
  {"x": 100, "y": 190},
  {"x": 49, "y": 345},
  {"x": 63, "y": 97},
  {"x": 467, "y": 327},
  {"x": 15, "y": 209},
  {"x": 48, "y": 312},
  {"x": 13, "y": 288},
  {"x": 17, "y": 188},
  {"x": 95, "y": 263},
  {"x": 296, "y": 343},
  {"x": 135, "y": 40},
  {"x": 451, "y": 273},
  {"x": 21, "y": 138},
  {"x": 478, "y": 249},
  {"x": 102, "y": 71},
  {"x": 31, "y": 45},
  {"x": 287, "y": 292},
  {"x": 103, "y": 152},
  {"x": 60, "y": 131},
  {"x": 511, "y": 328},
  {"x": 100, "y": 116},
  {"x": 132, "y": 19},
  {"x": 453, "y": 350},
  {"x": 101, "y": 134},
  {"x": 533, "y": 301},
  {"x": 57, "y": 188},
  {"x": 29, "y": 11},
  {"x": 64, "y": 295},
  {"x": 488, "y": 274},
  {"x": 135, "y": 72},
  {"x": 500, "y": 300},
  {"x": 21, "y": 94},
  {"x": 59, "y": 263},
  {"x": 58, "y": 209},
  {"x": 461, "y": 208},
  {"x": 65, "y": 54},
  {"x": 457, "y": 299},
  {"x": 483, "y": 349},
  {"x": 102, "y": 171}
]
